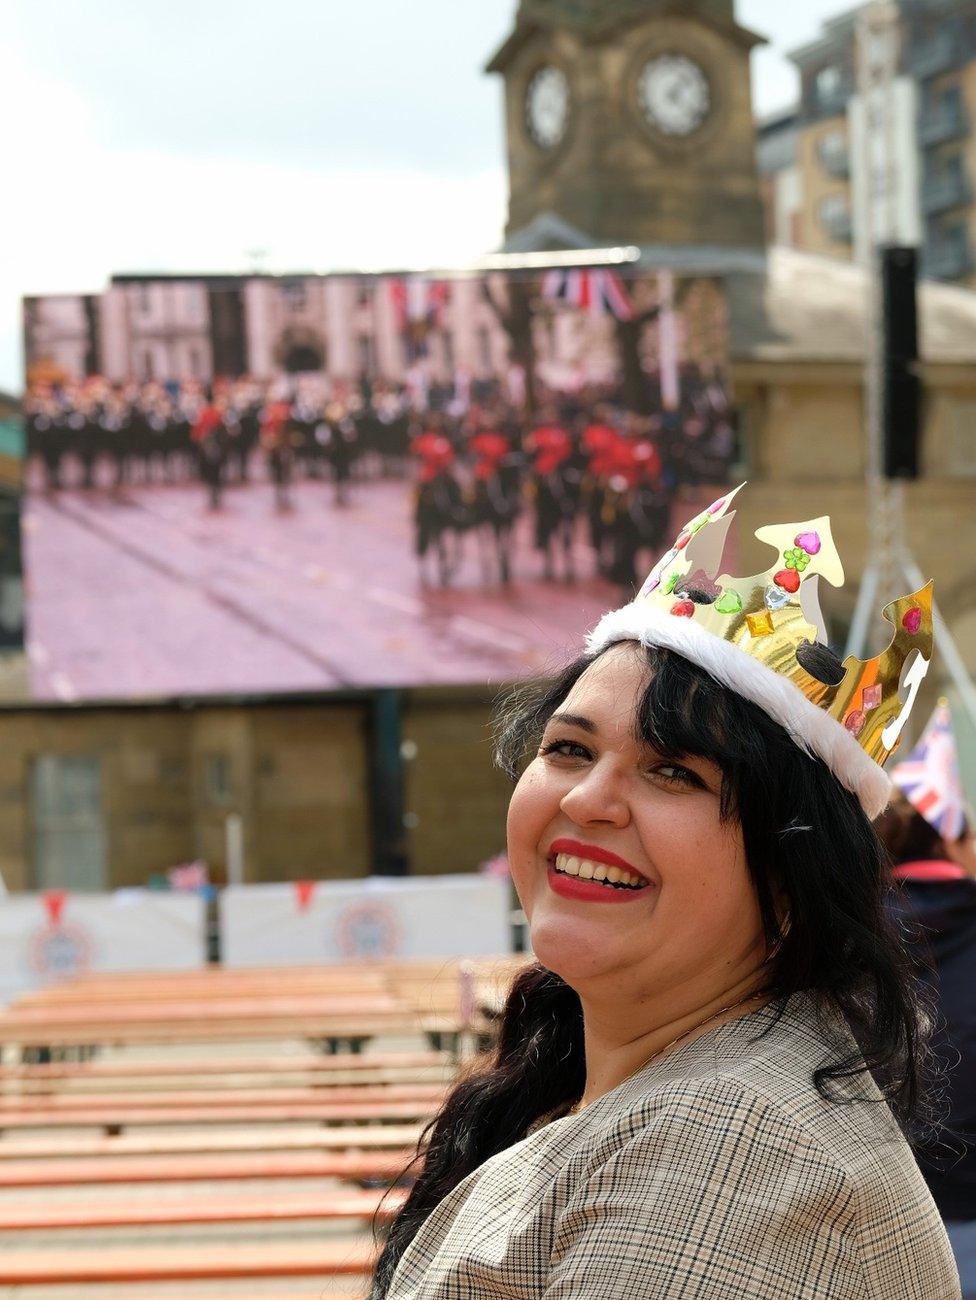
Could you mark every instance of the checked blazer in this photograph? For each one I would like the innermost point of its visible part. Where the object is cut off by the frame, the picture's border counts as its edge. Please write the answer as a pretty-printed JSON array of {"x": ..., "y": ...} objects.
[{"x": 715, "y": 1173}]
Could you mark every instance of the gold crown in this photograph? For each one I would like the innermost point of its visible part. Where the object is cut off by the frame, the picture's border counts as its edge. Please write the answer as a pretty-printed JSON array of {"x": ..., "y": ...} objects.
[{"x": 775, "y": 619}]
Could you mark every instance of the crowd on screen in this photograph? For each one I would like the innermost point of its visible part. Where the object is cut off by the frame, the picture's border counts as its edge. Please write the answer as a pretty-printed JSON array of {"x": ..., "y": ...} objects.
[{"x": 580, "y": 465}]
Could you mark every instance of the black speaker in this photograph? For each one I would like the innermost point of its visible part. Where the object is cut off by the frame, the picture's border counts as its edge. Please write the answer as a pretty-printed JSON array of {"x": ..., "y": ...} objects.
[{"x": 901, "y": 387}]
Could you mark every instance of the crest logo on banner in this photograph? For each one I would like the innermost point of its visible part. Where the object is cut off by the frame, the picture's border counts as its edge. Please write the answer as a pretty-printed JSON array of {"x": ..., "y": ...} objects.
[
  {"x": 368, "y": 929},
  {"x": 58, "y": 949}
]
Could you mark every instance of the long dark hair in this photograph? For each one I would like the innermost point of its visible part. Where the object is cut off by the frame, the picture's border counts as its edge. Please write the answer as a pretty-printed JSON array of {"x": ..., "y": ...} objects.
[{"x": 808, "y": 844}]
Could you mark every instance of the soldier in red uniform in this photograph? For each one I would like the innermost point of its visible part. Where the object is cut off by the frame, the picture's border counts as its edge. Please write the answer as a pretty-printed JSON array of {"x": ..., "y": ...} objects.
[
  {"x": 276, "y": 439},
  {"x": 439, "y": 512},
  {"x": 495, "y": 497},
  {"x": 556, "y": 488}
]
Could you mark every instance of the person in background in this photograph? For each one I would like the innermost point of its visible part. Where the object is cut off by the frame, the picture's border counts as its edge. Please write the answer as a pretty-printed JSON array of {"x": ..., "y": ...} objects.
[{"x": 930, "y": 841}]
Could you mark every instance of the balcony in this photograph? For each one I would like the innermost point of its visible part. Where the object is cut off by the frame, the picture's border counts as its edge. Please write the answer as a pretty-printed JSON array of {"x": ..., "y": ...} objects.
[
  {"x": 836, "y": 162},
  {"x": 937, "y": 54},
  {"x": 941, "y": 122},
  {"x": 942, "y": 192},
  {"x": 947, "y": 259},
  {"x": 838, "y": 224}
]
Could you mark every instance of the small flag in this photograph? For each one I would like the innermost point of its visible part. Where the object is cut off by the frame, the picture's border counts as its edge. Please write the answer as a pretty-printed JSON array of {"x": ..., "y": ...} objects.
[
  {"x": 304, "y": 892},
  {"x": 418, "y": 301},
  {"x": 929, "y": 777},
  {"x": 190, "y": 877},
  {"x": 54, "y": 901},
  {"x": 598, "y": 292}
]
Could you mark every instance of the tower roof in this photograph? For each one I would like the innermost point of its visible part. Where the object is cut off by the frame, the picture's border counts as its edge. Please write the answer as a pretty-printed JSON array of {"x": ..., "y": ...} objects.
[{"x": 596, "y": 19}]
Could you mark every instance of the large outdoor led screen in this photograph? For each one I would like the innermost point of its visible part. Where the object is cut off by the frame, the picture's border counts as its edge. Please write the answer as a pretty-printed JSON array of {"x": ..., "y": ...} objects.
[{"x": 265, "y": 483}]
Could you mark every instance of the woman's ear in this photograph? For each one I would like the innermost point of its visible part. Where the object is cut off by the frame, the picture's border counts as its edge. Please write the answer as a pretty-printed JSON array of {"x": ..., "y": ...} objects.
[{"x": 963, "y": 852}]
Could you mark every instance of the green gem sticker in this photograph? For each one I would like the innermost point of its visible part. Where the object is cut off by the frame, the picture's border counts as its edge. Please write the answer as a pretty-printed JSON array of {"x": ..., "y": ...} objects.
[
  {"x": 730, "y": 602},
  {"x": 672, "y": 582},
  {"x": 796, "y": 558}
]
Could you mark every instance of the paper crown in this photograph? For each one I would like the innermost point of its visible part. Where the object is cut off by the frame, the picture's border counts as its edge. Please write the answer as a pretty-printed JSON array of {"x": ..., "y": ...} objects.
[{"x": 765, "y": 638}]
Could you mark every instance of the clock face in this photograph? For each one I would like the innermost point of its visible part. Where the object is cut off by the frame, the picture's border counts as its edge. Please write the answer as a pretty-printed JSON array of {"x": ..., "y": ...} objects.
[
  {"x": 674, "y": 94},
  {"x": 547, "y": 106}
]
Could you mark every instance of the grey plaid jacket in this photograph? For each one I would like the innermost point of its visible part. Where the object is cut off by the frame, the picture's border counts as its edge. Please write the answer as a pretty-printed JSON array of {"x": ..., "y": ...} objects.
[{"x": 715, "y": 1173}]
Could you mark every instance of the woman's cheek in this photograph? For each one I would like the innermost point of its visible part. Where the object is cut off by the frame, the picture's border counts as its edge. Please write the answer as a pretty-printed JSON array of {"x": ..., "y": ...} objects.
[{"x": 529, "y": 814}]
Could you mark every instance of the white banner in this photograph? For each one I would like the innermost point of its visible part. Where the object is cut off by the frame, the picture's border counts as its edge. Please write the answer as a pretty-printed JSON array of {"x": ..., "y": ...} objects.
[
  {"x": 351, "y": 920},
  {"x": 54, "y": 936}
]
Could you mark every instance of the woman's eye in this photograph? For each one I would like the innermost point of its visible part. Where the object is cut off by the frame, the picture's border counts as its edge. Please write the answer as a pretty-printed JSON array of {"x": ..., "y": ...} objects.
[
  {"x": 675, "y": 774},
  {"x": 564, "y": 748}
]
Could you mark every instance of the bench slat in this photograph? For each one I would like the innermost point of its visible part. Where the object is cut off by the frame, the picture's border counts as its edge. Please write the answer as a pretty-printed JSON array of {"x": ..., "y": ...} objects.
[
  {"x": 200, "y": 1209},
  {"x": 160, "y": 1142},
  {"x": 216, "y": 1167},
  {"x": 173, "y": 1263},
  {"x": 126, "y": 1114},
  {"x": 357, "y": 1096}
]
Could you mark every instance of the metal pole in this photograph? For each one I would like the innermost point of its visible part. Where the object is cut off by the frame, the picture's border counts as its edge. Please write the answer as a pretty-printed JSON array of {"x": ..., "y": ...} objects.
[
  {"x": 877, "y": 64},
  {"x": 234, "y": 848}
]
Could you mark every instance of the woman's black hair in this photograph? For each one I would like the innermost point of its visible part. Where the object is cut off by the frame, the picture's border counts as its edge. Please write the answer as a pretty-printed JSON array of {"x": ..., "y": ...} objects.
[{"x": 814, "y": 859}]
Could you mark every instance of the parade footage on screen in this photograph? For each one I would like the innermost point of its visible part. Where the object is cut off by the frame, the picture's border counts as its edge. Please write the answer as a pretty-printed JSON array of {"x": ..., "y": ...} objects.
[{"x": 278, "y": 484}]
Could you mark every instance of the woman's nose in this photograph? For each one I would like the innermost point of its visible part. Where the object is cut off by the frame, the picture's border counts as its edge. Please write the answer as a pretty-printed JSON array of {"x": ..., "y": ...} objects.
[{"x": 597, "y": 797}]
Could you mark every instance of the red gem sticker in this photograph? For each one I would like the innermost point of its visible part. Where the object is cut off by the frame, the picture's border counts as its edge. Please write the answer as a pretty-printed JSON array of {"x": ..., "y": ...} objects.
[
  {"x": 854, "y": 722},
  {"x": 912, "y": 620},
  {"x": 684, "y": 608},
  {"x": 871, "y": 697},
  {"x": 788, "y": 579},
  {"x": 682, "y": 541}
]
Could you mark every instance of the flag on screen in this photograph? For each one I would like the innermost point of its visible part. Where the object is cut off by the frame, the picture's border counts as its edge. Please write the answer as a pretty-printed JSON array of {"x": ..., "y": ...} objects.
[
  {"x": 597, "y": 292},
  {"x": 417, "y": 300},
  {"x": 929, "y": 777}
]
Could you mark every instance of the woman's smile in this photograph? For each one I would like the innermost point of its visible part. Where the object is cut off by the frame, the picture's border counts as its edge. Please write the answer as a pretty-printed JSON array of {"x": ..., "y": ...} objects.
[{"x": 592, "y": 874}]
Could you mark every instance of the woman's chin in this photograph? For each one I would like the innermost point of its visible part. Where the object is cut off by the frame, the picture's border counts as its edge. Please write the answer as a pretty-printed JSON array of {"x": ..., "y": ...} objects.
[{"x": 570, "y": 948}]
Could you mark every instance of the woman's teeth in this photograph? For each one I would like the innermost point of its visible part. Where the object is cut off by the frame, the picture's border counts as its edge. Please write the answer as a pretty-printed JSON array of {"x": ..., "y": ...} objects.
[{"x": 616, "y": 877}]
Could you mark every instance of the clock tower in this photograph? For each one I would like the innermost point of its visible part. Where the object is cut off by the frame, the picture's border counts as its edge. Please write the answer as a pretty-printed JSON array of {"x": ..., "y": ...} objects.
[{"x": 630, "y": 121}]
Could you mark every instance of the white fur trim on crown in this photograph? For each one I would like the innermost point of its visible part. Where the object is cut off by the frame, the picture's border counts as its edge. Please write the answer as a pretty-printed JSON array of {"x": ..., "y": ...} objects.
[{"x": 812, "y": 729}]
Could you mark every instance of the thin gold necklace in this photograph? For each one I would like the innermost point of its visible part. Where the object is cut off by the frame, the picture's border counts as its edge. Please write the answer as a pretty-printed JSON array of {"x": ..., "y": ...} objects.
[{"x": 733, "y": 1006}]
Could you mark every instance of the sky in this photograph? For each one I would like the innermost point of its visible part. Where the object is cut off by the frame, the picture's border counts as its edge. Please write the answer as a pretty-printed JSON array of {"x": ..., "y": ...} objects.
[{"x": 301, "y": 134}]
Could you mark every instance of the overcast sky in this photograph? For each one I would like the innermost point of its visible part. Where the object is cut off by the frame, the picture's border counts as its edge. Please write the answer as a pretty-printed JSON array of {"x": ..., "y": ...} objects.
[{"x": 328, "y": 134}]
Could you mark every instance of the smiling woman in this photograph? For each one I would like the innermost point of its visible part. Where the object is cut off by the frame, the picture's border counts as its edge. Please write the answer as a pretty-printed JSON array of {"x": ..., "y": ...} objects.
[{"x": 708, "y": 1087}]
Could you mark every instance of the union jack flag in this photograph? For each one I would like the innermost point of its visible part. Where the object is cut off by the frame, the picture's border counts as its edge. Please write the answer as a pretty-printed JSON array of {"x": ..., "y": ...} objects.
[
  {"x": 929, "y": 777},
  {"x": 597, "y": 291},
  {"x": 419, "y": 301}
]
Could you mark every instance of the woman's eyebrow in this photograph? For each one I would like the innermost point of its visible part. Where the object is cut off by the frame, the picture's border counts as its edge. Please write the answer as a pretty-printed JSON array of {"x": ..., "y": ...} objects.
[{"x": 575, "y": 720}]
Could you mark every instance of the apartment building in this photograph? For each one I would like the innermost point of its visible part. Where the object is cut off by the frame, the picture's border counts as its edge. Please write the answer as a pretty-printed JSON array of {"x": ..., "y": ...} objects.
[{"x": 805, "y": 154}]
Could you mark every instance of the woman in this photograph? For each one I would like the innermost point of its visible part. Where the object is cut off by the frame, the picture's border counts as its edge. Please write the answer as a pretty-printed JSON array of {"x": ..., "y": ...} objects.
[
  {"x": 935, "y": 902},
  {"x": 682, "y": 1102}
]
